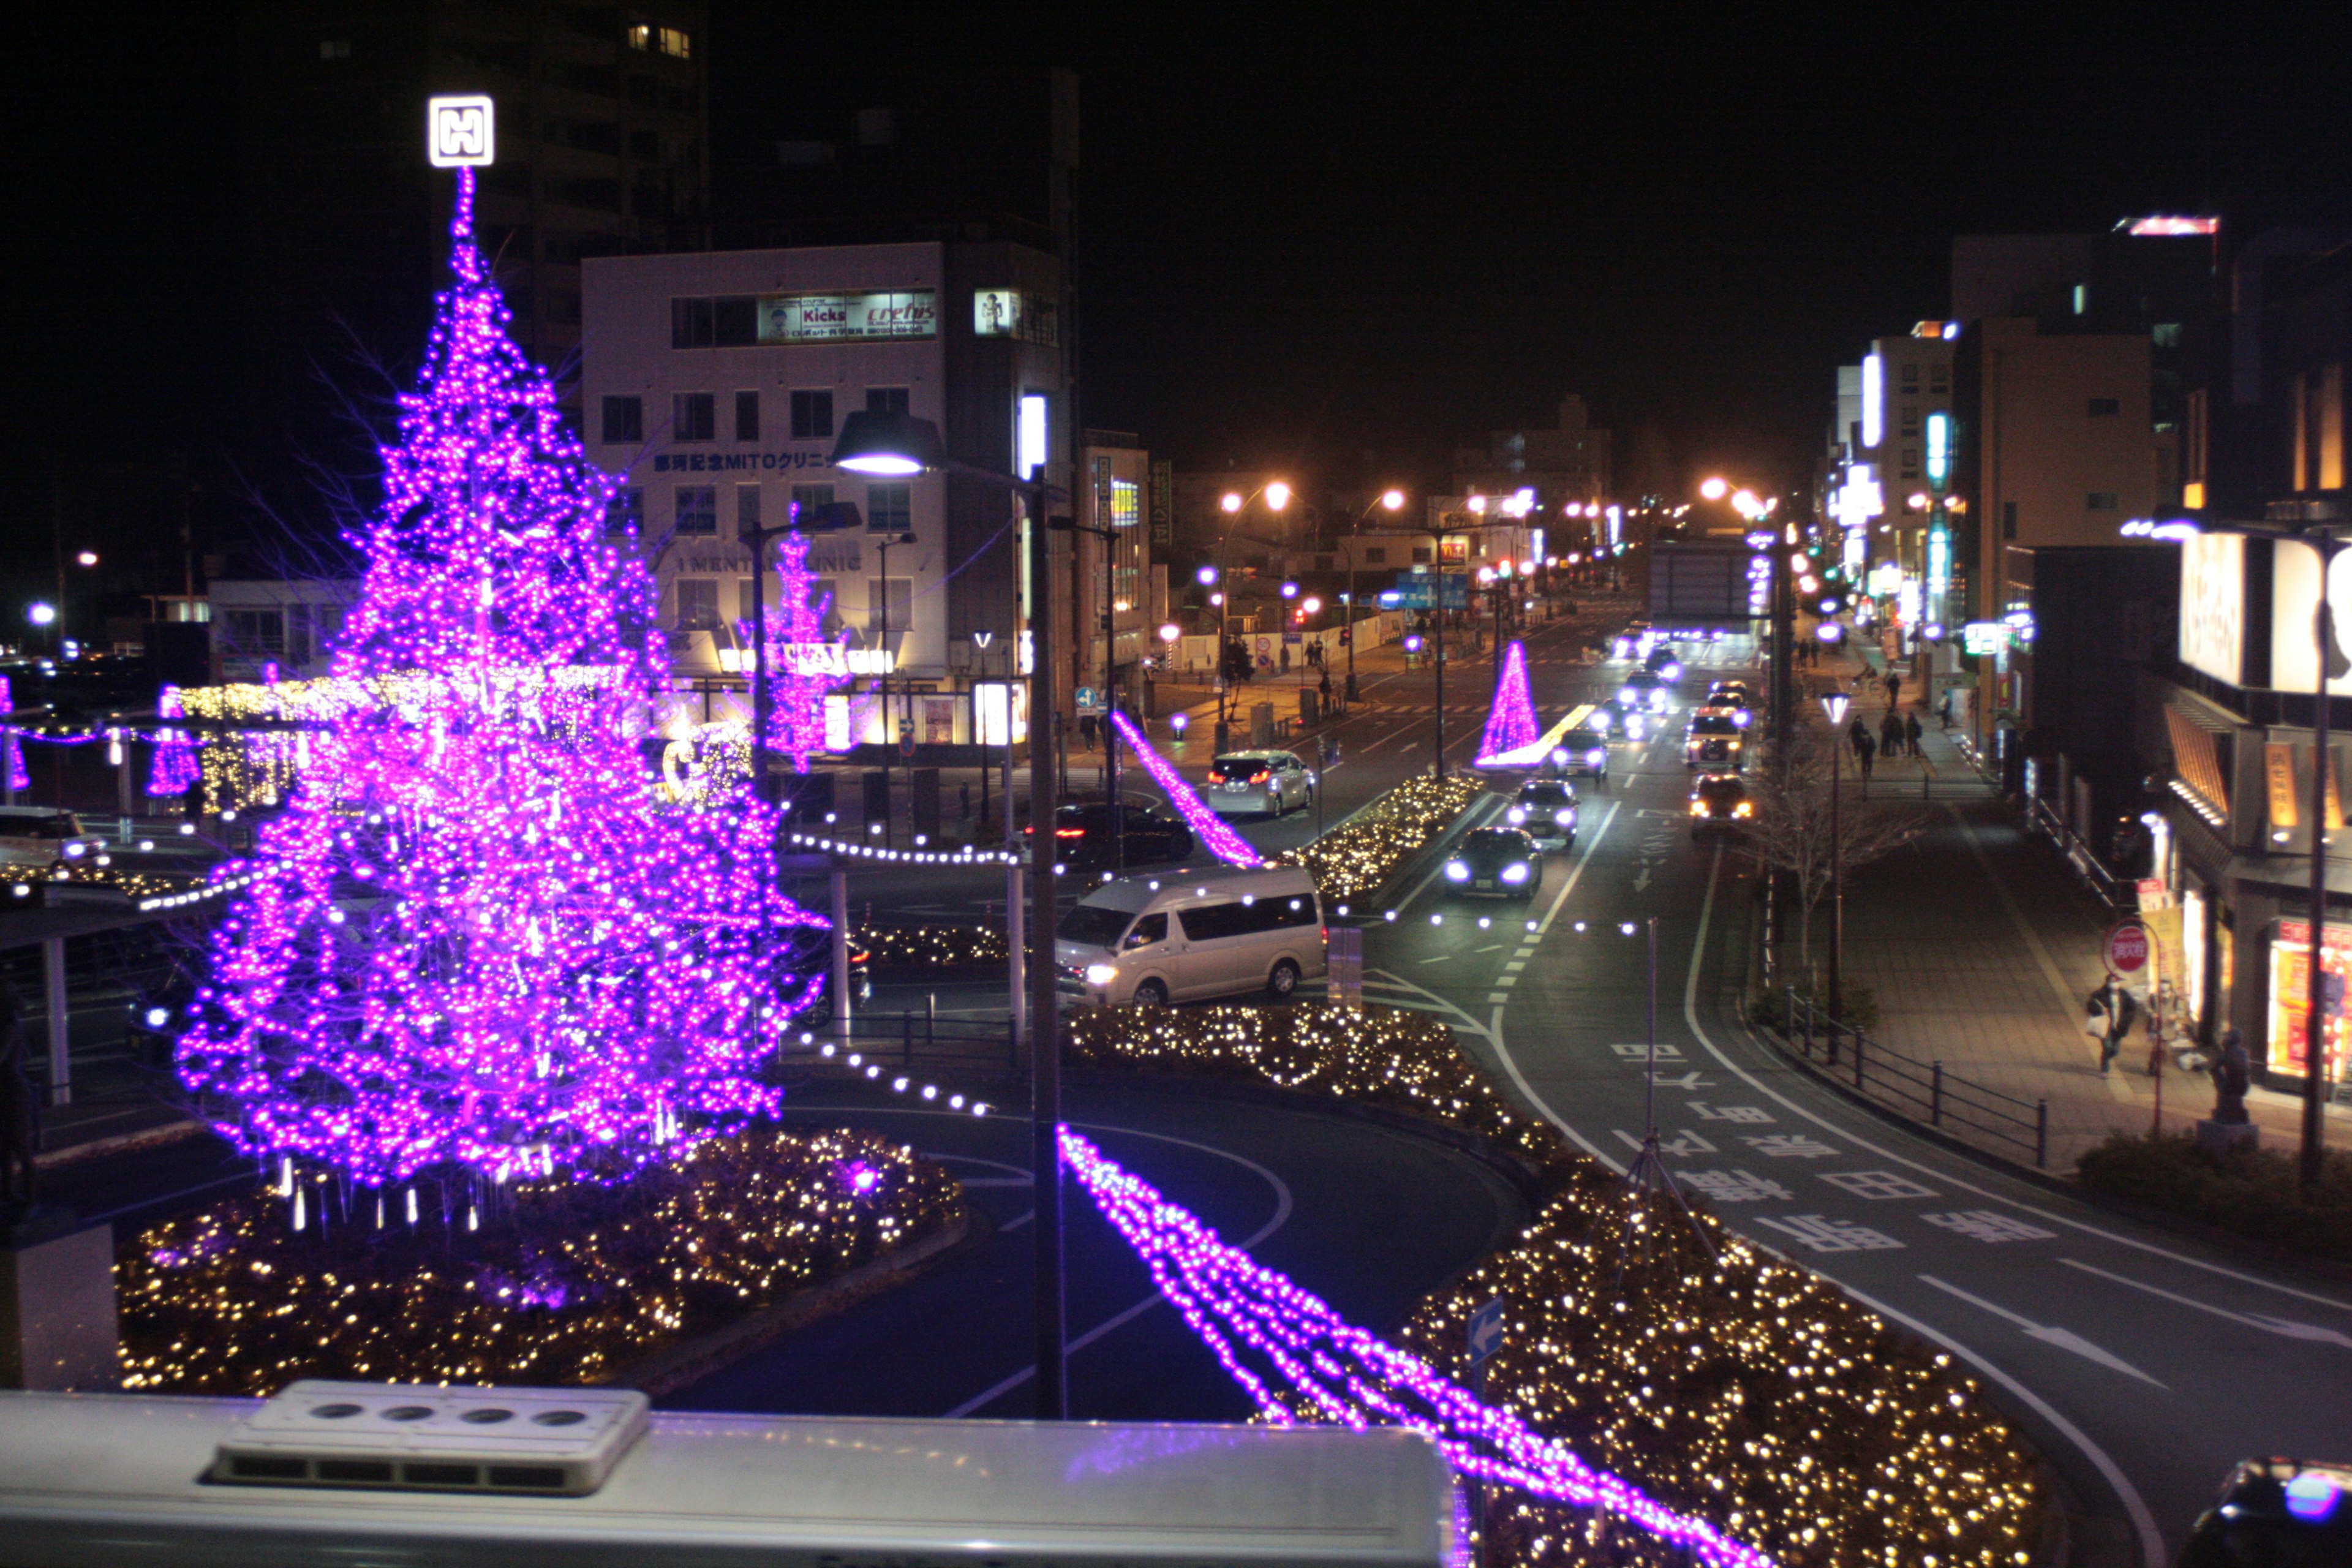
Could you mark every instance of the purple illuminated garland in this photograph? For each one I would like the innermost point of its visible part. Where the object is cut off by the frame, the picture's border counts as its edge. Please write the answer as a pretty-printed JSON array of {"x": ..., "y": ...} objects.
[
  {"x": 1511, "y": 724},
  {"x": 1298, "y": 1360},
  {"x": 483, "y": 943},
  {"x": 15, "y": 748},
  {"x": 175, "y": 770},
  {"x": 797, "y": 692},
  {"x": 1220, "y": 840}
]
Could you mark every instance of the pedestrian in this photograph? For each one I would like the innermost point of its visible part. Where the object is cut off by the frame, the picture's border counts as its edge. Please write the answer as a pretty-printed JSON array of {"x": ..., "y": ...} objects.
[
  {"x": 1890, "y": 735},
  {"x": 2107, "y": 1016},
  {"x": 1911, "y": 733},
  {"x": 1323, "y": 687},
  {"x": 1944, "y": 711},
  {"x": 1869, "y": 749},
  {"x": 1857, "y": 735},
  {"x": 1894, "y": 689},
  {"x": 1087, "y": 731},
  {"x": 1286, "y": 659}
]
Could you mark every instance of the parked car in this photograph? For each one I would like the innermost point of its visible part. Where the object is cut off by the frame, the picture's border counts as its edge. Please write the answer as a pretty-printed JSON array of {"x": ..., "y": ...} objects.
[
  {"x": 1248, "y": 783},
  {"x": 1182, "y": 936},
  {"x": 1149, "y": 836},
  {"x": 1546, "y": 808},
  {"x": 42, "y": 836},
  {"x": 2276, "y": 1514},
  {"x": 1502, "y": 861},
  {"x": 1716, "y": 742},
  {"x": 1719, "y": 803},
  {"x": 1582, "y": 753}
]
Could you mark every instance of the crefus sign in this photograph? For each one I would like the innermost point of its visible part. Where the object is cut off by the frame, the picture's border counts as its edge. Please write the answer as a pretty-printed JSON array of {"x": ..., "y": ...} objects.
[
  {"x": 849, "y": 318},
  {"x": 2295, "y": 609},
  {"x": 2212, "y": 605}
]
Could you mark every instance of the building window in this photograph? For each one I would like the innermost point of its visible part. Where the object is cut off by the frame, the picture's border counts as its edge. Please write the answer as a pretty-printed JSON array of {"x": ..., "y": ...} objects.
[
  {"x": 1910, "y": 419},
  {"x": 901, "y": 603},
  {"x": 698, "y": 604},
  {"x": 645, "y": 144},
  {"x": 694, "y": 415},
  {"x": 2102, "y": 500},
  {"x": 641, "y": 37},
  {"x": 886, "y": 400},
  {"x": 734, "y": 322},
  {"x": 2102, "y": 407},
  {"x": 2165, "y": 334},
  {"x": 807, "y": 499},
  {"x": 628, "y": 512},
  {"x": 1421, "y": 554},
  {"x": 257, "y": 632},
  {"x": 812, "y": 416},
  {"x": 747, "y": 417},
  {"x": 673, "y": 42},
  {"x": 747, "y": 508},
  {"x": 335, "y": 49},
  {"x": 2009, "y": 520},
  {"x": 642, "y": 93},
  {"x": 890, "y": 509},
  {"x": 1376, "y": 555},
  {"x": 697, "y": 509},
  {"x": 690, "y": 323},
  {"x": 625, "y": 420}
]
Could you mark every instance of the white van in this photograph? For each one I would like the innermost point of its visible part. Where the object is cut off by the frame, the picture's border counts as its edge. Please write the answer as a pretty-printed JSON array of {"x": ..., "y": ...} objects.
[{"x": 1178, "y": 936}]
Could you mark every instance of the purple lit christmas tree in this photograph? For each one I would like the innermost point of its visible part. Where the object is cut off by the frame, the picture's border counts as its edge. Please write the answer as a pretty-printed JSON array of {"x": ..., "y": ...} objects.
[
  {"x": 1511, "y": 724},
  {"x": 486, "y": 947}
]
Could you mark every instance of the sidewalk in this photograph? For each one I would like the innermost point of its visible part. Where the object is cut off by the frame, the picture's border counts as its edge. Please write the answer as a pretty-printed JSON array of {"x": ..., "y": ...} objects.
[{"x": 1980, "y": 948}]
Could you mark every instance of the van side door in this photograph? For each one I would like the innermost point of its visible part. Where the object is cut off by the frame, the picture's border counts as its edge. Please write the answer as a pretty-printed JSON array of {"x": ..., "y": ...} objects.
[{"x": 1207, "y": 963}]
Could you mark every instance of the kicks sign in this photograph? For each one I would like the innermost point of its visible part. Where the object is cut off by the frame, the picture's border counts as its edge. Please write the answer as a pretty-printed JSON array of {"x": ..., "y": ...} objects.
[{"x": 458, "y": 131}]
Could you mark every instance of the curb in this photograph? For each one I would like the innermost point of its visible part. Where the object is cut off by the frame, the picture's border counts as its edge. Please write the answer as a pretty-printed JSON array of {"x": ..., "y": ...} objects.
[
  {"x": 666, "y": 1371},
  {"x": 119, "y": 1143}
]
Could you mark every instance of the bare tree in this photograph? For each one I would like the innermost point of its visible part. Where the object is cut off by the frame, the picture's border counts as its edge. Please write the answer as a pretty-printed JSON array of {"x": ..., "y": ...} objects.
[{"x": 1791, "y": 828}]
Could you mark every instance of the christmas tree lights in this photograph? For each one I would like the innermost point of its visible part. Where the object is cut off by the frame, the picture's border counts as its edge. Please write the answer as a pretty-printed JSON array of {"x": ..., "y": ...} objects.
[
  {"x": 174, "y": 770},
  {"x": 797, "y": 691},
  {"x": 1300, "y": 1362},
  {"x": 1212, "y": 831},
  {"x": 1511, "y": 723},
  {"x": 13, "y": 748},
  {"x": 481, "y": 941}
]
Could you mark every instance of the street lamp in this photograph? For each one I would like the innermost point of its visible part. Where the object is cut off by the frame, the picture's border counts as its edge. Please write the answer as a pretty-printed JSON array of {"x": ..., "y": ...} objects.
[
  {"x": 901, "y": 445},
  {"x": 1389, "y": 501},
  {"x": 1715, "y": 487},
  {"x": 1835, "y": 705},
  {"x": 1233, "y": 503}
]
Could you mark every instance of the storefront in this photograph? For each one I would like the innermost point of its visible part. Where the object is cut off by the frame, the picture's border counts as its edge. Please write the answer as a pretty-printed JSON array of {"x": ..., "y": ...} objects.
[{"x": 2290, "y": 996}]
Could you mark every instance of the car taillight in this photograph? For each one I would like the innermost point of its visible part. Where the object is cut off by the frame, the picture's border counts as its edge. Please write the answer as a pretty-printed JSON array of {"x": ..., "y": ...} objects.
[{"x": 1260, "y": 778}]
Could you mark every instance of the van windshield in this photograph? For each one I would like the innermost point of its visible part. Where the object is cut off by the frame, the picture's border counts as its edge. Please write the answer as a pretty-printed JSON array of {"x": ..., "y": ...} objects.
[{"x": 1094, "y": 925}]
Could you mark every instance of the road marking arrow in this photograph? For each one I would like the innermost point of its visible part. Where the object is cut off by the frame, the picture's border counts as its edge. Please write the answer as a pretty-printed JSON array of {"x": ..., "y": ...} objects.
[
  {"x": 2064, "y": 1339},
  {"x": 2286, "y": 1328},
  {"x": 1642, "y": 882}
]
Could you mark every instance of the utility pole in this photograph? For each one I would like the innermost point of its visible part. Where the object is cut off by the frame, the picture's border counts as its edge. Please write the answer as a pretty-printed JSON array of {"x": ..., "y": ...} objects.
[{"x": 1045, "y": 1042}]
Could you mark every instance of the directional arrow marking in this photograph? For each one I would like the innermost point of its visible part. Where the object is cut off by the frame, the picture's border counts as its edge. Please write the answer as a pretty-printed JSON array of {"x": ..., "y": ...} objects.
[
  {"x": 2286, "y": 1328},
  {"x": 1642, "y": 882},
  {"x": 2064, "y": 1339}
]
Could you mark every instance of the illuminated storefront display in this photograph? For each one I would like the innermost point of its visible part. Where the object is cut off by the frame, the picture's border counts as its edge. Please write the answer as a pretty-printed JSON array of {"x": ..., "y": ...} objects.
[
  {"x": 2291, "y": 992},
  {"x": 848, "y": 318}
]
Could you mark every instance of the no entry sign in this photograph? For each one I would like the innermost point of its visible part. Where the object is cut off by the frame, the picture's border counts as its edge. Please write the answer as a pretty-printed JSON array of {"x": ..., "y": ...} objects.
[{"x": 2128, "y": 947}]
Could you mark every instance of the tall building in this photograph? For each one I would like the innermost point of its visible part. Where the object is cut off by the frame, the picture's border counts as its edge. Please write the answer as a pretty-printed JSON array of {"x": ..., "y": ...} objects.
[{"x": 603, "y": 131}]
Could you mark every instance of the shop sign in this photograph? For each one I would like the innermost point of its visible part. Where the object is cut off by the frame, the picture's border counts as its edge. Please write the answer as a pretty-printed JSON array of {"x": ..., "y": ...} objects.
[
  {"x": 2278, "y": 773},
  {"x": 2290, "y": 994},
  {"x": 1982, "y": 639},
  {"x": 2213, "y": 603},
  {"x": 2127, "y": 948},
  {"x": 878, "y": 316}
]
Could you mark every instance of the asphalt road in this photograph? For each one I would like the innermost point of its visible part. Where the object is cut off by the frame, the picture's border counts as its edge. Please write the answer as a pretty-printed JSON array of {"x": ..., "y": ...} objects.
[
  {"x": 1372, "y": 1218},
  {"x": 2142, "y": 1364}
]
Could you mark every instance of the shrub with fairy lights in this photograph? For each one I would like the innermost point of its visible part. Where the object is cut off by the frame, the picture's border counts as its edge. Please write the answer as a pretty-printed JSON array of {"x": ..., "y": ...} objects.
[
  {"x": 482, "y": 946},
  {"x": 930, "y": 946},
  {"x": 562, "y": 1283},
  {"x": 1354, "y": 860},
  {"x": 1726, "y": 1385}
]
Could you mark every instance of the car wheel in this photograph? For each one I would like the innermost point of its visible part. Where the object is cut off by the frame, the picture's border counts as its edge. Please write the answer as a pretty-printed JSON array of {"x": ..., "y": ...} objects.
[
  {"x": 1151, "y": 994},
  {"x": 1284, "y": 981}
]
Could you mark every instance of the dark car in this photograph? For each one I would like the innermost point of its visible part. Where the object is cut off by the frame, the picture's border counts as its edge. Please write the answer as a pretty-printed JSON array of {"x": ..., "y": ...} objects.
[
  {"x": 1716, "y": 743},
  {"x": 1646, "y": 691},
  {"x": 1150, "y": 835},
  {"x": 1502, "y": 861},
  {"x": 1623, "y": 720},
  {"x": 1719, "y": 803},
  {"x": 1582, "y": 751},
  {"x": 2277, "y": 1513},
  {"x": 1545, "y": 810},
  {"x": 1663, "y": 663}
]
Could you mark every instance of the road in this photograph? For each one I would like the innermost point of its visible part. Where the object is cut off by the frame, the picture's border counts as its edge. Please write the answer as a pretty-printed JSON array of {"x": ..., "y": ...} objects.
[{"x": 2142, "y": 1364}]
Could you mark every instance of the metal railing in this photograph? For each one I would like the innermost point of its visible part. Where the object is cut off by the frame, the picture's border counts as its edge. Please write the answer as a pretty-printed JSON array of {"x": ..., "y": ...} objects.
[
  {"x": 904, "y": 1042},
  {"x": 2120, "y": 897},
  {"x": 1921, "y": 1090}
]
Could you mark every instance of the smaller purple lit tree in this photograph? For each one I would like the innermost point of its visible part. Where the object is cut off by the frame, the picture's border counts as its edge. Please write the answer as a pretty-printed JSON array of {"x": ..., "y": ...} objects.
[
  {"x": 1511, "y": 724},
  {"x": 805, "y": 666}
]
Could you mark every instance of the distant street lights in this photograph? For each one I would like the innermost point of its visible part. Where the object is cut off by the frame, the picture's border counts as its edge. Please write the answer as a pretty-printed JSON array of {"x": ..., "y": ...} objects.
[
  {"x": 1234, "y": 503},
  {"x": 1389, "y": 501},
  {"x": 1835, "y": 705}
]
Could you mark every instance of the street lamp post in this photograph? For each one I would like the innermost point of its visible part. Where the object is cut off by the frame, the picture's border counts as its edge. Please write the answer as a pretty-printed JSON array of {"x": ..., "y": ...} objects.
[
  {"x": 1110, "y": 682},
  {"x": 1388, "y": 501},
  {"x": 901, "y": 445},
  {"x": 1234, "y": 503},
  {"x": 1835, "y": 705}
]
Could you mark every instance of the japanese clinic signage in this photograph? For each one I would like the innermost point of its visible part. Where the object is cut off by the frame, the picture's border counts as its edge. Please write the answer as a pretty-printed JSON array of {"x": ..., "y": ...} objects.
[
  {"x": 878, "y": 317},
  {"x": 2213, "y": 605}
]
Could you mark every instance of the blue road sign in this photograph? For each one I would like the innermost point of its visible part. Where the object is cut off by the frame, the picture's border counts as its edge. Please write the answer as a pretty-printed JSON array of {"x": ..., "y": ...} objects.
[{"x": 1485, "y": 1332}]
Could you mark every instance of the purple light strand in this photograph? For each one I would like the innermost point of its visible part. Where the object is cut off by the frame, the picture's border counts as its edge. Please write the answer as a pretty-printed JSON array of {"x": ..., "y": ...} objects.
[
  {"x": 1348, "y": 1377},
  {"x": 1511, "y": 724},
  {"x": 175, "y": 770},
  {"x": 1222, "y": 840},
  {"x": 481, "y": 942},
  {"x": 15, "y": 761}
]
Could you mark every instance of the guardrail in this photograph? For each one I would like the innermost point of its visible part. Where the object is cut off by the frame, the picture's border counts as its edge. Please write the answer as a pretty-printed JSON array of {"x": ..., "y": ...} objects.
[
  {"x": 1921, "y": 1090},
  {"x": 902, "y": 1042},
  {"x": 2120, "y": 897}
]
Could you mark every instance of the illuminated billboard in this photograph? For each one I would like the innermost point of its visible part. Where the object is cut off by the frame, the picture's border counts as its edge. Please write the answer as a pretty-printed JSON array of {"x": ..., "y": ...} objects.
[
  {"x": 881, "y": 316},
  {"x": 2212, "y": 605},
  {"x": 2166, "y": 227}
]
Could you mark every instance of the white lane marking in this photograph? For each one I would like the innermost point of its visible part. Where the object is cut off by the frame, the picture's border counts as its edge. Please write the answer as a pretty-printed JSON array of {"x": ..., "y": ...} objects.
[
  {"x": 2286, "y": 1327},
  {"x": 1118, "y": 1321},
  {"x": 2064, "y": 1339},
  {"x": 1690, "y": 1014}
]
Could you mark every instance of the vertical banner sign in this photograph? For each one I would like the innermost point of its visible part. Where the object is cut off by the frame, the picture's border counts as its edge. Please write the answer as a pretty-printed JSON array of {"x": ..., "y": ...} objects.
[
  {"x": 2278, "y": 773},
  {"x": 2335, "y": 792},
  {"x": 1163, "y": 507}
]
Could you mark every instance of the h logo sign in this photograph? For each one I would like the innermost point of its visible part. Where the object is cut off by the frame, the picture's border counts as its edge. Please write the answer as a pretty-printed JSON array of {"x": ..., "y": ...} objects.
[{"x": 457, "y": 131}]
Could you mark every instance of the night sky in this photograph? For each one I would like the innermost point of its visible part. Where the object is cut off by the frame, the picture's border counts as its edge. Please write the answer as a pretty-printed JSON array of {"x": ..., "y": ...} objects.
[{"x": 1314, "y": 232}]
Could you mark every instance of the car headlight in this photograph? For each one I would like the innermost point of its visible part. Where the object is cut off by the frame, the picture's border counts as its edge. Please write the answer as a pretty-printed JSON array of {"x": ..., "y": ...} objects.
[
  {"x": 1745, "y": 808},
  {"x": 1698, "y": 807},
  {"x": 1625, "y": 694},
  {"x": 1672, "y": 672},
  {"x": 1565, "y": 817},
  {"x": 1101, "y": 974},
  {"x": 1515, "y": 815},
  {"x": 1598, "y": 755},
  {"x": 1740, "y": 718},
  {"x": 1458, "y": 871},
  {"x": 74, "y": 851},
  {"x": 1516, "y": 871},
  {"x": 1558, "y": 757}
]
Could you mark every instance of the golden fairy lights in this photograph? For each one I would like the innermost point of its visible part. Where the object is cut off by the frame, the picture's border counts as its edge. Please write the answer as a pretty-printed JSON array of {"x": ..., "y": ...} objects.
[
  {"x": 1355, "y": 858},
  {"x": 570, "y": 1284},
  {"x": 930, "y": 945},
  {"x": 1734, "y": 1387}
]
